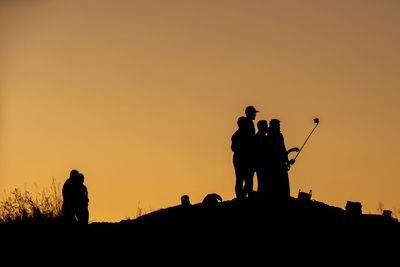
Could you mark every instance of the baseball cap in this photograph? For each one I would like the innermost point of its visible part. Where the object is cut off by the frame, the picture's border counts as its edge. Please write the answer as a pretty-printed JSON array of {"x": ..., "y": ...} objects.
[{"x": 251, "y": 109}]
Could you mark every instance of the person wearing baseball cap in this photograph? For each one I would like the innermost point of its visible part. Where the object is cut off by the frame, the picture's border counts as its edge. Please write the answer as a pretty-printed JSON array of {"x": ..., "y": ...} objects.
[
  {"x": 244, "y": 157},
  {"x": 250, "y": 112}
]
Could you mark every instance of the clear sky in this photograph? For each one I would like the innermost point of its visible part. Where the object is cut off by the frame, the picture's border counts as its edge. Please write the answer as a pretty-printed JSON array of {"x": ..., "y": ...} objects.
[{"x": 143, "y": 96}]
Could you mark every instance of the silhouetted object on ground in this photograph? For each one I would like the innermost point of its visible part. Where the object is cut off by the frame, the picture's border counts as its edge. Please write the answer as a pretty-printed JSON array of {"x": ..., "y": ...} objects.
[
  {"x": 75, "y": 199},
  {"x": 211, "y": 200},
  {"x": 387, "y": 213},
  {"x": 279, "y": 163},
  {"x": 261, "y": 154},
  {"x": 303, "y": 196},
  {"x": 353, "y": 208},
  {"x": 241, "y": 147},
  {"x": 185, "y": 201},
  {"x": 316, "y": 121}
]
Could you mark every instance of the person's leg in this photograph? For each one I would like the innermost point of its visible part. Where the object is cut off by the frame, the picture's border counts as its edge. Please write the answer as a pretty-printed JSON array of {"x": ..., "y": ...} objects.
[
  {"x": 83, "y": 215},
  {"x": 68, "y": 214},
  {"x": 273, "y": 184},
  {"x": 282, "y": 186},
  {"x": 239, "y": 180},
  {"x": 260, "y": 180},
  {"x": 248, "y": 183},
  {"x": 285, "y": 185}
]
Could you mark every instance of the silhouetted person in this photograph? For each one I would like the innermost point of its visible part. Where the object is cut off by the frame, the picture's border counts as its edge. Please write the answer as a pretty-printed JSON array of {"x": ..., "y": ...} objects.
[
  {"x": 279, "y": 163},
  {"x": 242, "y": 150},
  {"x": 251, "y": 113},
  {"x": 261, "y": 153},
  {"x": 82, "y": 211},
  {"x": 75, "y": 199},
  {"x": 69, "y": 197},
  {"x": 185, "y": 201}
]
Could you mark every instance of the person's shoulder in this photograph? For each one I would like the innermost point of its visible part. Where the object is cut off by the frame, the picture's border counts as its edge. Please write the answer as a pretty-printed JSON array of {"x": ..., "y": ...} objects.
[
  {"x": 67, "y": 182},
  {"x": 235, "y": 134},
  {"x": 275, "y": 137}
]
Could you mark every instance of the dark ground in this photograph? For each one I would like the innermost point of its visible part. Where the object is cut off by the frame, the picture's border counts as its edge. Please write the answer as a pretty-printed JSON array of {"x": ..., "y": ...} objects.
[{"x": 250, "y": 229}]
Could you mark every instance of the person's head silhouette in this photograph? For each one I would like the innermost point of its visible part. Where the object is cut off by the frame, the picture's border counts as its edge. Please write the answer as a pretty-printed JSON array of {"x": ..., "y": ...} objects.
[
  {"x": 185, "y": 201},
  {"x": 251, "y": 112},
  {"x": 81, "y": 178},
  {"x": 242, "y": 124},
  {"x": 262, "y": 126},
  {"x": 73, "y": 174},
  {"x": 274, "y": 126}
]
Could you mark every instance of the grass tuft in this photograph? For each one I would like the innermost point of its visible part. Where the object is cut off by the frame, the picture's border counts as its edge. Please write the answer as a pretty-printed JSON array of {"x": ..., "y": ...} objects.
[{"x": 23, "y": 206}]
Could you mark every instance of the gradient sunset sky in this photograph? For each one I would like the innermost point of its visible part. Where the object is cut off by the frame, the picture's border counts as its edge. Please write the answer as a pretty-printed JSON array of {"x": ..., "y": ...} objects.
[{"x": 142, "y": 97}]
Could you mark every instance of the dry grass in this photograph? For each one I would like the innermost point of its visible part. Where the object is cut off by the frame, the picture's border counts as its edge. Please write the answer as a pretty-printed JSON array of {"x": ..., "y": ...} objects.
[{"x": 24, "y": 206}]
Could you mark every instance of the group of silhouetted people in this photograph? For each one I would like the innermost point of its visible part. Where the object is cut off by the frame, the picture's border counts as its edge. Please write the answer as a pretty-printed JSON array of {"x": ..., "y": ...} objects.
[
  {"x": 263, "y": 153},
  {"x": 75, "y": 199}
]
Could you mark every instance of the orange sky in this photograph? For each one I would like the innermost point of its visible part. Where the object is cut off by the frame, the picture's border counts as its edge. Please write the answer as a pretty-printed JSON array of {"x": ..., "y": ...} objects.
[{"x": 143, "y": 96}]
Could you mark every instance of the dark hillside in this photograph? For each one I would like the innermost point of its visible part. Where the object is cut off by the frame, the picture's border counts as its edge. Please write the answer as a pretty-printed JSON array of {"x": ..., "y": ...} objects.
[
  {"x": 260, "y": 212},
  {"x": 255, "y": 218},
  {"x": 253, "y": 223}
]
